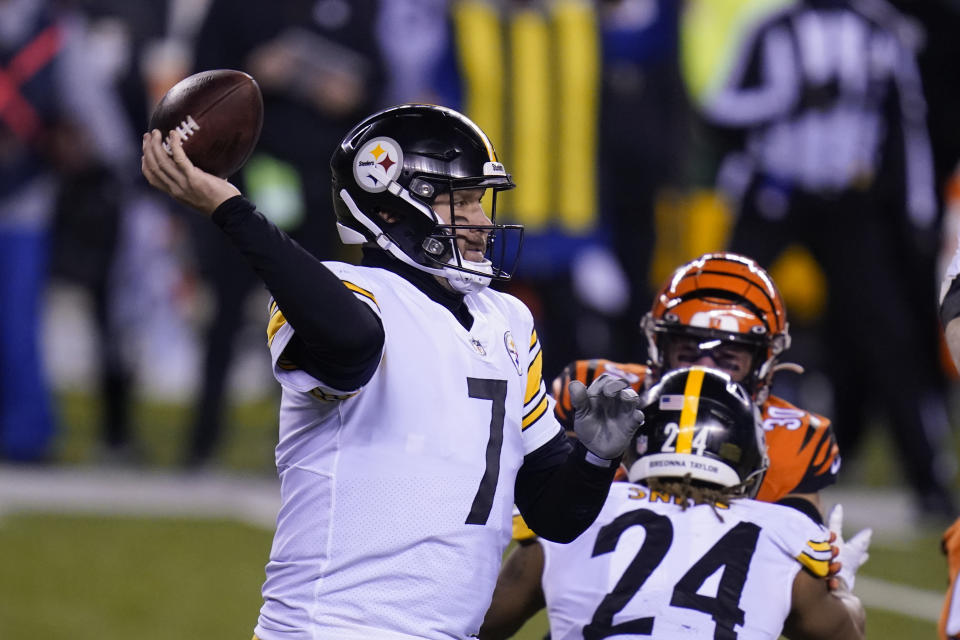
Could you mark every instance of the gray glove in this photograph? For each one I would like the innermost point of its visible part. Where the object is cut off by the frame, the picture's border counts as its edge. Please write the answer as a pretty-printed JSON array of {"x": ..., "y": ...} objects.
[{"x": 605, "y": 415}]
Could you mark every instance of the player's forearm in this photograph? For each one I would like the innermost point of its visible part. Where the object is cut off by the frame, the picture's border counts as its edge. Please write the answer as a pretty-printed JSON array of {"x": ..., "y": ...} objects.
[
  {"x": 558, "y": 492},
  {"x": 332, "y": 324},
  {"x": 518, "y": 595}
]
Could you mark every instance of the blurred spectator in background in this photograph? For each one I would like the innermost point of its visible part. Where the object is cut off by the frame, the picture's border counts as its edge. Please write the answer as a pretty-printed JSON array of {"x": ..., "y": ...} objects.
[
  {"x": 320, "y": 70},
  {"x": 58, "y": 120},
  {"x": 823, "y": 117},
  {"x": 588, "y": 100},
  {"x": 529, "y": 73},
  {"x": 949, "y": 624},
  {"x": 92, "y": 233},
  {"x": 644, "y": 116},
  {"x": 410, "y": 61}
]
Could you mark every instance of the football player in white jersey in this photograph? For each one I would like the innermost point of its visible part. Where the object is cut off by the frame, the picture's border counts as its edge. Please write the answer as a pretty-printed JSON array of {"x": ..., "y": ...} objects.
[
  {"x": 414, "y": 414},
  {"x": 682, "y": 549}
]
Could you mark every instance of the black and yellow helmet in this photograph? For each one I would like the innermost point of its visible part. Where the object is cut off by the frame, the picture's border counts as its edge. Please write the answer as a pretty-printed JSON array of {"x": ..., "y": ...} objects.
[
  {"x": 396, "y": 162},
  {"x": 699, "y": 422}
]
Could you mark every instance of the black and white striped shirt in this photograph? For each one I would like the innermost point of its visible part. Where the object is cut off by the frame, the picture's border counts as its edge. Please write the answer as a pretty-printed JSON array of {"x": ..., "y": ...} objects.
[{"x": 823, "y": 91}]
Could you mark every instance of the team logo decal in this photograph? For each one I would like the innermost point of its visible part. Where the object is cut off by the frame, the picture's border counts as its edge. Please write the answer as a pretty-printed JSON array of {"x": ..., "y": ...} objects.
[
  {"x": 721, "y": 320},
  {"x": 512, "y": 351},
  {"x": 377, "y": 163}
]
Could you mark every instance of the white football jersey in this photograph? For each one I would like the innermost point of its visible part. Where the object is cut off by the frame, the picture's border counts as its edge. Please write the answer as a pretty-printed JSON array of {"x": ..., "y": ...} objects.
[
  {"x": 648, "y": 568},
  {"x": 397, "y": 497}
]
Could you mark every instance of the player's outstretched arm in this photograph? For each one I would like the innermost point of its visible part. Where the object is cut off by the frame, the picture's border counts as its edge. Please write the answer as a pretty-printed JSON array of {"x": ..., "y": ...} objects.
[
  {"x": 819, "y": 614},
  {"x": 174, "y": 174},
  {"x": 518, "y": 595}
]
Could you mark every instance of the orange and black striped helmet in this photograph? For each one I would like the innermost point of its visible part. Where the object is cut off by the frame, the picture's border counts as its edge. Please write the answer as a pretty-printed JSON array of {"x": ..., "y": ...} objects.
[{"x": 725, "y": 297}]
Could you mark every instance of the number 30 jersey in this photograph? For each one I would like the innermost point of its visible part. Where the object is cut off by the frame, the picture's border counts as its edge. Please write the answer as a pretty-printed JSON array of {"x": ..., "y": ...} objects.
[
  {"x": 647, "y": 568},
  {"x": 396, "y": 498}
]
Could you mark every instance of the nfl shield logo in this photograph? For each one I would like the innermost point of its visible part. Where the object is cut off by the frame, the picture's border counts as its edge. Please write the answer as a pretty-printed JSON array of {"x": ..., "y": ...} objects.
[{"x": 512, "y": 352}]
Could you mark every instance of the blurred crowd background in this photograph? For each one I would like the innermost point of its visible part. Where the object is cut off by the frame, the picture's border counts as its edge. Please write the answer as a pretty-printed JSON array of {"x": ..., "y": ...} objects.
[{"x": 821, "y": 137}]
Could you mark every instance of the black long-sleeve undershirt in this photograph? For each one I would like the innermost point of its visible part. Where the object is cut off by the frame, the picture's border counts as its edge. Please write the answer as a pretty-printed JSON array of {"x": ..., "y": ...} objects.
[
  {"x": 559, "y": 494},
  {"x": 339, "y": 339}
]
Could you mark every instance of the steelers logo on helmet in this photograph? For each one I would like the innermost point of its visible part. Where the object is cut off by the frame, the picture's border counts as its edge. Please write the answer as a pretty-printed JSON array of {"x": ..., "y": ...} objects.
[{"x": 377, "y": 163}]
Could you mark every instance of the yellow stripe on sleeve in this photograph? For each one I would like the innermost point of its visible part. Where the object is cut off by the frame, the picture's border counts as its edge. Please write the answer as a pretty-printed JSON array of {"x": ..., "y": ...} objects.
[
  {"x": 521, "y": 532},
  {"x": 688, "y": 415},
  {"x": 534, "y": 378},
  {"x": 816, "y": 557},
  {"x": 361, "y": 291},
  {"x": 819, "y": 568},
  {"x": 276, "y": 321},
  {"x": 534, "y": 414}
]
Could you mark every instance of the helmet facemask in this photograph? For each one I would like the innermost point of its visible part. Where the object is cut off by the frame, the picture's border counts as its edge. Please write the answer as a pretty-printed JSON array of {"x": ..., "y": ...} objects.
[
  {"x": 501, "y": 247},
  {"x": 742, "y": 356}
]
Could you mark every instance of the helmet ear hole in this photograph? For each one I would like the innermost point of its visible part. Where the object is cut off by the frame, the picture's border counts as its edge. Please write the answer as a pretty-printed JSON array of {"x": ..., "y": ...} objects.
[
  {"x": 389, "y": 217},
  {"x": 422, "y": 189}
]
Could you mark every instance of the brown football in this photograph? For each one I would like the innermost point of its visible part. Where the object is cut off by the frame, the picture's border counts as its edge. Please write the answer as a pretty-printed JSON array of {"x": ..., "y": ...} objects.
[{"x": 219, "y": 113}]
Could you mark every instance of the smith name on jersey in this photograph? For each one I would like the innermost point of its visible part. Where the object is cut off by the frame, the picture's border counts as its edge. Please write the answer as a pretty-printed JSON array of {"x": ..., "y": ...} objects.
[{"x": 398, "y": 495}]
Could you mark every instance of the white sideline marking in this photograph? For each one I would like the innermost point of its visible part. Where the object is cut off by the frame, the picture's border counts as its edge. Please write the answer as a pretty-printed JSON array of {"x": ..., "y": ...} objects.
[
  {"x": 249, "y": 499},
  {"x": 898, "y": 598}
]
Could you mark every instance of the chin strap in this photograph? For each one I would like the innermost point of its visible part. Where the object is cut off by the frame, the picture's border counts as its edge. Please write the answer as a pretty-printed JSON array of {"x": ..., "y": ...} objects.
[{"x": 792, "y": 367}]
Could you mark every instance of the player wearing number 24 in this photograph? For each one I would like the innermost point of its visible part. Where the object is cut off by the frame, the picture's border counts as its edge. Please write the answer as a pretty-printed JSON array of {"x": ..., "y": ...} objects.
[
  {"x": 682, "y": 549},
  {"x": 414, "y": 414}
]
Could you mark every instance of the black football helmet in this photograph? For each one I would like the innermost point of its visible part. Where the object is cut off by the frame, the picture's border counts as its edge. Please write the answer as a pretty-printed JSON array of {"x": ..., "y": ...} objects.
[
  {"x": 395, "y": 163},
  {"x": 698, "y": 421}
]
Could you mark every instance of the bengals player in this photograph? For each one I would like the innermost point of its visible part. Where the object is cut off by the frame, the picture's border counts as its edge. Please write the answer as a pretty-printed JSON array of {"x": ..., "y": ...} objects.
[{"x": 723, "y": 310}]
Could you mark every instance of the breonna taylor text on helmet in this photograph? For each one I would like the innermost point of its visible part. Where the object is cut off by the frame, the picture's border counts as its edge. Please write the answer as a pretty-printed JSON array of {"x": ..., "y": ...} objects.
[{"x": 377, "y": 163}]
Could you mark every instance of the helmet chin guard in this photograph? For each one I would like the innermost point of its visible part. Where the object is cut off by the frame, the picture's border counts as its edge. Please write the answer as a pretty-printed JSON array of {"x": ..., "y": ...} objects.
[{"x": 470, "y": 281}]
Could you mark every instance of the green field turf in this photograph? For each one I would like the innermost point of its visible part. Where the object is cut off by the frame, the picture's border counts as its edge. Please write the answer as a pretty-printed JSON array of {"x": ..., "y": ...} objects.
[
  {"x": 96, "y": 578},
  {"x": 112, "y": 578}
]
